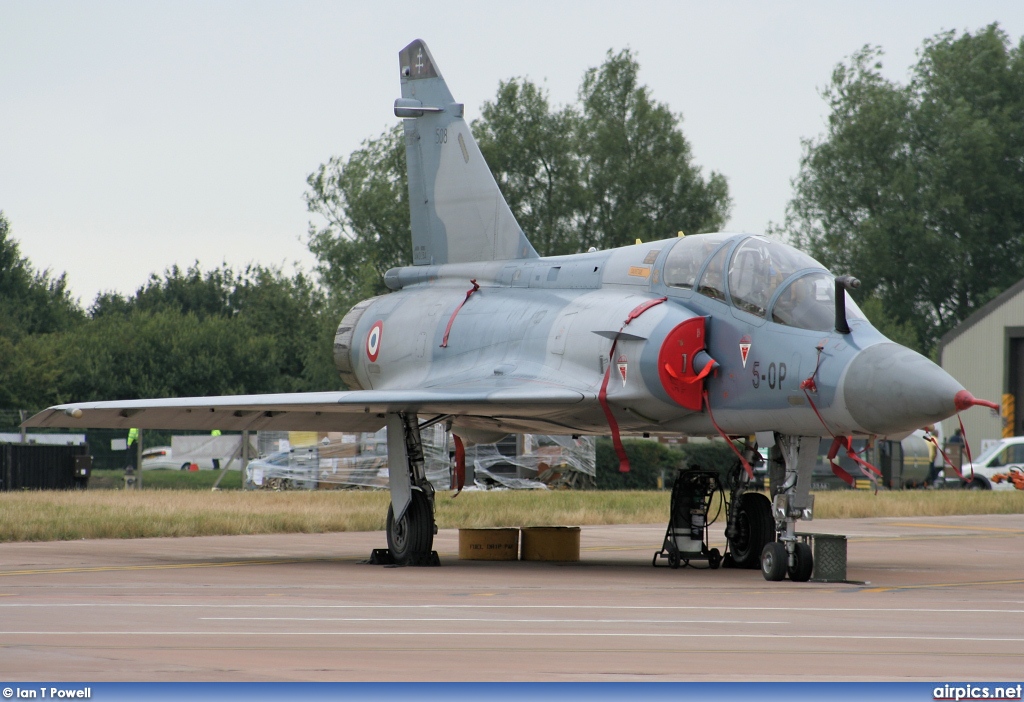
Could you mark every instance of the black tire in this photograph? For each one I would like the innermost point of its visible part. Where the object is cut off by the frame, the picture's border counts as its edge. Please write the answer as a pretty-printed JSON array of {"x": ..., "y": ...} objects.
[
  {"x": 804, "y": 563},
  {"x": 773, "y": 561},
  {"x": 755, "y": 527},
  {"x": 673, "y": 559},
  {"x": 976, "y": 484},
  {"x": 185, "y": 466},
  {"x": 412, "y": 536},
  {"x": 714, "y": 559}
]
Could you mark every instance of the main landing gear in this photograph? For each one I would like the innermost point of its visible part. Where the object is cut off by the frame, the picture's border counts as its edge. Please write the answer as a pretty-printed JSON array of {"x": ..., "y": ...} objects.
[
  {"x": 751, "y": 527},
  {"x": 410, "y": 523},
  {"x": 411, "y": 536}
]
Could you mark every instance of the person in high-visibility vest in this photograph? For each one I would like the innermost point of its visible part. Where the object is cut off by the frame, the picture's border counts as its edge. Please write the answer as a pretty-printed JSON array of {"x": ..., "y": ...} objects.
[
  {"x": 133, "y": 436},
  {"x": 216, "y": 461}
]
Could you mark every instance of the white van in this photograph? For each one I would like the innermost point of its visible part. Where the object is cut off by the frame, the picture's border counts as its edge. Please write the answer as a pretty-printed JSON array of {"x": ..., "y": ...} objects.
[
  {"x": 1003, "y": 458},
  {"x": 205, "y": 452}
]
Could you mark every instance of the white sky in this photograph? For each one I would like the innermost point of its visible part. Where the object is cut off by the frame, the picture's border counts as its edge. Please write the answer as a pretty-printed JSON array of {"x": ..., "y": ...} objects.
[{"x": 135, "y": 135}]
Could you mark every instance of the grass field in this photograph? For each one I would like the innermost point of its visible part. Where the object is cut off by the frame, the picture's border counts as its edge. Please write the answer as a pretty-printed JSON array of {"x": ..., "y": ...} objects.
[
  {"x": 167, "y": 480},
  {"x": 120, "y": 514}
]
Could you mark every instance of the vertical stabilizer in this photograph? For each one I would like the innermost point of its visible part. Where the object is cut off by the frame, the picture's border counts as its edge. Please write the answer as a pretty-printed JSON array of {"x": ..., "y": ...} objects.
[{"x": 458, "y": 214}]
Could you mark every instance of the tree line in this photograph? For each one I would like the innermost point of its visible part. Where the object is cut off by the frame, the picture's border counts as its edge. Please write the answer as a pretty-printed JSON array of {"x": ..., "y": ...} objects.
[{"x": 917, "y": 189}]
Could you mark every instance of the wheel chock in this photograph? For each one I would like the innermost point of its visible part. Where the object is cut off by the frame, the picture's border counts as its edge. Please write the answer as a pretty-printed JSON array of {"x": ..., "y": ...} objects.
[{"x": 382, "y": 556}]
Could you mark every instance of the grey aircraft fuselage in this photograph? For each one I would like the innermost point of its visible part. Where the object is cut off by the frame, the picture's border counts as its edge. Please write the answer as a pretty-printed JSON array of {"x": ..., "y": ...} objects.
[{"x": 552, "y": 322}]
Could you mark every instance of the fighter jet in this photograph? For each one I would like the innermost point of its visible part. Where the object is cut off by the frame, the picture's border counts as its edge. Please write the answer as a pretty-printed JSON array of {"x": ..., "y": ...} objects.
[{"x": 718, "y": 333}]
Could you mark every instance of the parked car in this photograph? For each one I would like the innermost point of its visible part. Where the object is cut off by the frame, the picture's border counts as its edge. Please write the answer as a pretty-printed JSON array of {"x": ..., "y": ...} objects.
[
  {"x": 1004, "y": 458},
  {"x": 162, "y": 458}
]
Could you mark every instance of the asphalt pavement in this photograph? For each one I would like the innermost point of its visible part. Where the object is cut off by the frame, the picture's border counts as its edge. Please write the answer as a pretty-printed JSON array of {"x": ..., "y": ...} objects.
[{"x": 928, "y": 599}]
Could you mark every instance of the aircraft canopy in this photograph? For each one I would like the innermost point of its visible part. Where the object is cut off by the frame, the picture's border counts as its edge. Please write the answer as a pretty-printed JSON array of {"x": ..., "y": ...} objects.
[{"x": 759, "y": 276}]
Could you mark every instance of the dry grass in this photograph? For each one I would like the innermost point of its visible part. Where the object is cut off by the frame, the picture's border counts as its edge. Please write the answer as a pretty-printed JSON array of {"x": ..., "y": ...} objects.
[
  {"x": 544, "y": 508},
  {"x": 51, "y": 516},
  {"x": 852, "y": 504}
]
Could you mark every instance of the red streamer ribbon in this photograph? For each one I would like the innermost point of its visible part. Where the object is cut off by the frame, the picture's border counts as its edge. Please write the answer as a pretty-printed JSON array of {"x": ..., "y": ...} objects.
[
  {"x": 602, "y": 396},
  {"x": 447, "y": 330}
]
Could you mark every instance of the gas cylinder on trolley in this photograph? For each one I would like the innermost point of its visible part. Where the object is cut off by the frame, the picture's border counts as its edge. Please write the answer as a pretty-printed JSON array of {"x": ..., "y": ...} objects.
[{"x": 686, "y": 538}]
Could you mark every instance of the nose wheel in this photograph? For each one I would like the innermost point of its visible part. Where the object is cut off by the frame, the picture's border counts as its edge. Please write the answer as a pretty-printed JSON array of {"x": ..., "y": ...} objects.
[
  {"x": 800, "y": 569},
  {"x": 773, "y": 561},
  {"x": 777, "y": 562}
]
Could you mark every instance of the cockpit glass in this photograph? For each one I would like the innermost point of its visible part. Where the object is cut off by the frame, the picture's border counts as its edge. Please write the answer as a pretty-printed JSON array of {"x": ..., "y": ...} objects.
[
  {"x": 685, "y": 259},
  {"x": 712, "y": 283},
  {"x": 758, "y": 267},
  {"x": 809, "y": 303}
]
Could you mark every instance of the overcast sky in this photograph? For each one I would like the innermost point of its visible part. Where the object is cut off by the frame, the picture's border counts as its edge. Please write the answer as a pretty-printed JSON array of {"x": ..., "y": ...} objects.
[{"x": 135, "y": 135}]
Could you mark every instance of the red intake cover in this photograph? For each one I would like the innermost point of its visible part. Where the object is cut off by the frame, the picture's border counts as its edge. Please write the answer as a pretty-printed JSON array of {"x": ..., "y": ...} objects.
[{"x": 675, "y": 363}]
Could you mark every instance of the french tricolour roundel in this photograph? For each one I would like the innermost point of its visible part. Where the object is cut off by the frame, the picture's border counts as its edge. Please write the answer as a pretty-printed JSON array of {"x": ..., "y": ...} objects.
[{"x": 373, "y": 340}]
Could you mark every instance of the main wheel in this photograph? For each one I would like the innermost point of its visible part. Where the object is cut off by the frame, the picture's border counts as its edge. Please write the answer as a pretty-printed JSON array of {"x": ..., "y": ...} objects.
[
  {"x": 773, "y": 561},
  {"x": 413, "y": 534},
  {"x": 803, "y": 565},
  {"x": 755, "y": 527},
  {"x": 976, "y": 484}
]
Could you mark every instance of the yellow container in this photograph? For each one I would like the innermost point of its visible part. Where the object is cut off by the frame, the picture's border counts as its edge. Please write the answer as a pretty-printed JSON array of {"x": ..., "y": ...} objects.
[
  {"x": 489, "y": 544},
  {"x": 302, "y": 439},
  {"x": 550, "y": 543}
]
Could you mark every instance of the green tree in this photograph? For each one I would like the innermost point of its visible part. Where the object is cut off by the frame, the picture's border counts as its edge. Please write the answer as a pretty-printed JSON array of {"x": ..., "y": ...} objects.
[
  {"x": 637, "y": 167},
  {"x": 164, "y": 354},
  {"x": 31, "y": 302},
  {"x": 296, "y": 314},
  {"x": 189, "y": 292},
  {"x": 32, "y": 306},
  {"x": 287, "y": 313},
  {"x": 30, "y": 372},
  {"x": 918, "y": 189},
  {"x": 533, "y": 156},
  {"x": 365, "y": 202}
]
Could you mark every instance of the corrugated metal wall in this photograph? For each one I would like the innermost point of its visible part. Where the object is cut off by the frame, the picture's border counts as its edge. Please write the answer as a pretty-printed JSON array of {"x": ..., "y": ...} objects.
[
  {"x": 977, "y": 359},
  {"x": 39, "y": 467}
]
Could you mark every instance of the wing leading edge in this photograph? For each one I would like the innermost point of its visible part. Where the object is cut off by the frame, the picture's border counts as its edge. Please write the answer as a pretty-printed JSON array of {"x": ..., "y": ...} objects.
[{"x": 362, "y": 410}]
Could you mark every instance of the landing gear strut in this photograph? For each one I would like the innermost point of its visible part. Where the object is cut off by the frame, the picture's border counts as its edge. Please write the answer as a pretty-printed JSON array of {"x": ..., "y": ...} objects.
[
  {"x": 410, "y": 523},
  {"x": 791, "y": 464}
]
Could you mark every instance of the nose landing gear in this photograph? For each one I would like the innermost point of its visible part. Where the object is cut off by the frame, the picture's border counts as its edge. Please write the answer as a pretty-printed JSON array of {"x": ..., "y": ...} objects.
[{"x": 791, "y": 464}]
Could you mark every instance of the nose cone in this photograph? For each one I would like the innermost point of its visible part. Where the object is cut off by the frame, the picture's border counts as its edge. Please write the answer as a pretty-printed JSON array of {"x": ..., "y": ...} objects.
[{"x": 890, "y": 389}]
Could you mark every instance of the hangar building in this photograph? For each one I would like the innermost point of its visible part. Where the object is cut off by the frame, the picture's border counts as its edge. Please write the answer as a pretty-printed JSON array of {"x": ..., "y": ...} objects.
[{"x": 986, "y": 354}]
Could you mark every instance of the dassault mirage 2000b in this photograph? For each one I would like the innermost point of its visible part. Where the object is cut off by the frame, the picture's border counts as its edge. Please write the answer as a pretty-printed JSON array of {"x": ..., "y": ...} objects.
[{"x": 703, "y": 334}]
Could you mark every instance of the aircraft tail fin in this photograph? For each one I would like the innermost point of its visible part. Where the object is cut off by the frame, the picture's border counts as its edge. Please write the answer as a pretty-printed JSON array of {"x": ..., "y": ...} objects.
[{"x": 458, "y": 213}]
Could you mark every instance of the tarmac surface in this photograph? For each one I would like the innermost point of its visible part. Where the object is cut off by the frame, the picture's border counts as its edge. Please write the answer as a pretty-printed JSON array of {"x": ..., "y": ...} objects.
[{"x": 937, "y": 599}]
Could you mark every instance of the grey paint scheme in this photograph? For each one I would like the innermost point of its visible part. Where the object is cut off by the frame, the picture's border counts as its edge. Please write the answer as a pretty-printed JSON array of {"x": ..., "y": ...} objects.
[
  {"x": 528, "y": 351},
  {"x": 458, "y": 213}
]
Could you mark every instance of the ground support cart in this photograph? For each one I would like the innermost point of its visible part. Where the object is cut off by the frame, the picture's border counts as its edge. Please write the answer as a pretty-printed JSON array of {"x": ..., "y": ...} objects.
[{"x": 686, "y": 538}]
